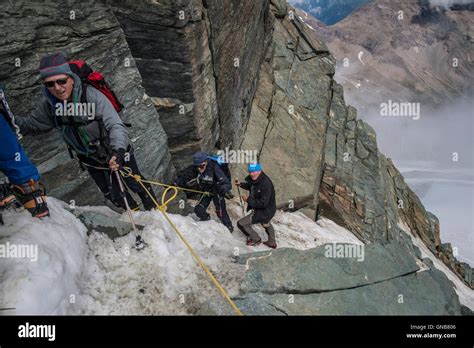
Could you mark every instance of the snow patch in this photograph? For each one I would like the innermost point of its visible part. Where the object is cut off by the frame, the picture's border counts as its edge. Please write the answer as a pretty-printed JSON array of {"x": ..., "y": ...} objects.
[
  {"x": 48, "y": 285},
  {"x": 80, "y": 274},
  {"x": 466, "y": 294},
  {"x": 111, "y": 277}
]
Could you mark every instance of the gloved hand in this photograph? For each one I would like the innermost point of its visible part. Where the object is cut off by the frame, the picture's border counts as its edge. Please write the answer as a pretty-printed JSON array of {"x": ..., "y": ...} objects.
[
  {"x": 116, "y": 160},
  {"x": 222, "y": 191}
]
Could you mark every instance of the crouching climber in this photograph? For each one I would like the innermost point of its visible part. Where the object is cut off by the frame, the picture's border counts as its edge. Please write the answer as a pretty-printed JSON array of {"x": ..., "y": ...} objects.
[
  {"x": 23, "y": 177},
  {"x": 261, "y": 201},
  {"x": 207, "y": 175},
  {"x": 94, "y": 132}
]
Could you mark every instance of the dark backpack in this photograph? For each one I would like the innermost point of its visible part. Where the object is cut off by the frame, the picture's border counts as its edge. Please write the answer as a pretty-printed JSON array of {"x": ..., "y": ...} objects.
[{"x": 223, "y": 165}]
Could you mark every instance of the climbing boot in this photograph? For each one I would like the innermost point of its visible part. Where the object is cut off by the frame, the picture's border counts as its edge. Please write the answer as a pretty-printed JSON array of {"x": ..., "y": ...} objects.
[
  {"x": 31, "y": 196},
  {"x": 6, "y": 196},
  {"x": 252, "y": 242}
]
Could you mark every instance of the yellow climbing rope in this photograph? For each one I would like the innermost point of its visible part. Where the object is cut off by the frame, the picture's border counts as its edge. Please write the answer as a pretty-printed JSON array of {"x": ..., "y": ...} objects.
[
  {"x": 127, "y": 172},
  {"x": 162, "y": 208}
]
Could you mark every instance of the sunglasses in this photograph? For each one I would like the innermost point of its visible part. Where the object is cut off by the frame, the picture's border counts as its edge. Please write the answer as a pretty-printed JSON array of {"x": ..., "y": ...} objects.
[
  {"x": 202, "y": 165},
  {"x": 60, "y": 82}
]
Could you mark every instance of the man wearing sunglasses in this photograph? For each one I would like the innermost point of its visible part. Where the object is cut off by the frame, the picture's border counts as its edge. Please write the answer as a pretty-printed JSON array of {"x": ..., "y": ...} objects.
[
  {"x": 99, "y": 140},
  {"x": 208, "y": 177}
]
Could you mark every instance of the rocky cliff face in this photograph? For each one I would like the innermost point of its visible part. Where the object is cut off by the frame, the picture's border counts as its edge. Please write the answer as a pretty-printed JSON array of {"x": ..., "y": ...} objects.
[
  {"x": 210, "y": 74},
  {"x": 290, "y": 111},
  {"x": 298, "y": 106},
  {"x": 199, "y": 61}
]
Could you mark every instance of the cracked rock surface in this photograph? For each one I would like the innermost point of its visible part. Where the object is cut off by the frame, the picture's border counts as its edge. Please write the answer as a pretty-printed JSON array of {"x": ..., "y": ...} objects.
[{"x": 305, "y": 282}]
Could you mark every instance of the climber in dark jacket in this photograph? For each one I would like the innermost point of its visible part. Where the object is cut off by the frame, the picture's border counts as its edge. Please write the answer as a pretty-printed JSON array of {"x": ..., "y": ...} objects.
[
  {"x": 208, "y": 177},
  {"x": 261, "y": 201},
  {"x": 22, "y": 175},
  {"x": 99, "y": 140}
]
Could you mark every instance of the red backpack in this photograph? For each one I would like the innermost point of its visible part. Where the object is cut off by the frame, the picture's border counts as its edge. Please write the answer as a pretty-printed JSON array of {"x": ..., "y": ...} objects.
[
  {"x": 90, "y": 77},
  {"x": 96, "y": 79}
]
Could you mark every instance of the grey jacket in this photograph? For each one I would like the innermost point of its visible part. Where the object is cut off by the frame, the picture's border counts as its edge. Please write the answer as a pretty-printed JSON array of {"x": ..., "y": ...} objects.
[{"x": 44, "y": 118}]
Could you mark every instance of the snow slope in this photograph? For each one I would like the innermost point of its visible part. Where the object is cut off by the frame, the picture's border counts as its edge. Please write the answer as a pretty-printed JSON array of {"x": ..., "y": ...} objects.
[
  {"x": 466, "y": 294},
  {"x": 449, "y": 194},
  {"x": 44, "y": 286},
  {"x": 80, "y": 274}
]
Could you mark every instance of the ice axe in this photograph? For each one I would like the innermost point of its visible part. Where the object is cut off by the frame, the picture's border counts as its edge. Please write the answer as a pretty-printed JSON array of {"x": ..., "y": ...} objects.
[
  {"x": 240, "y": 197},
  {"x": 139, "y": 242}
]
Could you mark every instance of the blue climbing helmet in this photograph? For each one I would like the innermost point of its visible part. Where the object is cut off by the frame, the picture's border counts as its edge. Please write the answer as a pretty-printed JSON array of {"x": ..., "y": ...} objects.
[{"x": 254, "y": 167}]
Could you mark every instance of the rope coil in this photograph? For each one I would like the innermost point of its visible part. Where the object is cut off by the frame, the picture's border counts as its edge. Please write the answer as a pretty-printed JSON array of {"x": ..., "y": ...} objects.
[{"x": 128, "y": 173}]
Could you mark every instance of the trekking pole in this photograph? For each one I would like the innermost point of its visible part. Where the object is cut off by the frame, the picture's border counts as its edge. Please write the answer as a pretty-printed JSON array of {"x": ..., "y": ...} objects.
[
  {"x": 139, "y": 242},
  {"x": 4, "y": 102},
  {"x": 241, "y": 200}
]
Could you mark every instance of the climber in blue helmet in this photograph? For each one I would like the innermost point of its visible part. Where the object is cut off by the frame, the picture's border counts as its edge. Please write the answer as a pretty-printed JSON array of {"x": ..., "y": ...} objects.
[{"x": 261, "y": 201}]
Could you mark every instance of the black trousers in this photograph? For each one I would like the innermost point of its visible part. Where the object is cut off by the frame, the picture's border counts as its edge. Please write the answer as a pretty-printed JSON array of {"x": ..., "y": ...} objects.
[
  {"x": 221, "y": 210},
  {"x": 245, "y": 225},
  {"x": 107, "y": 182}
]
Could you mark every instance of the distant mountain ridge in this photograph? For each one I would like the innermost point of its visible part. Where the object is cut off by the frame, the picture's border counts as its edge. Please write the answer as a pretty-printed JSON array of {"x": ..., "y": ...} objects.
[{"x": 425, "y": 55}]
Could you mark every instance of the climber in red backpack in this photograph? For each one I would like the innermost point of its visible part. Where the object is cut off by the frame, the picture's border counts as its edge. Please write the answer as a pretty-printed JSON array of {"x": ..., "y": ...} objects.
[{"x": 81, "y": 105}]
